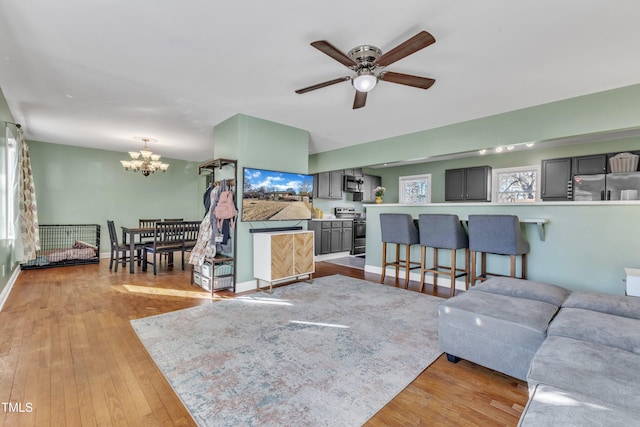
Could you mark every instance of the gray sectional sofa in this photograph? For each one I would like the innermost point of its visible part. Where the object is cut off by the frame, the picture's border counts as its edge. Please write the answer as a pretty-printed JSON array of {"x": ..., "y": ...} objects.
[{"x": 578, "y": 351}]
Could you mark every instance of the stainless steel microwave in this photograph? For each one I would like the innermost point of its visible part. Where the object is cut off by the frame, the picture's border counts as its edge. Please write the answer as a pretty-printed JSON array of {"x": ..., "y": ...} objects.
[{"x": 352, "y": 184}]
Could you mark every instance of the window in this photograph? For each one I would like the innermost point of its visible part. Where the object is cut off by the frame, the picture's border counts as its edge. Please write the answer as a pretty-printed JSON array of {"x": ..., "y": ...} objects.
[
  {"x": 415, "y": 189},
  {"x": 8, "y": 183},
  {"x": 516, "y": 185}
]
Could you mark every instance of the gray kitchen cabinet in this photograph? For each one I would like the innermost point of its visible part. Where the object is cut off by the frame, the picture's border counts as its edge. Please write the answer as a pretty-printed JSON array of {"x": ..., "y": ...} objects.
[
  {"x": 322, "y": 236},
  {"x": 328, "y": 185},
  {"x": 347, "y": 236},
  {"x": 368, "y": 186},
  {"x": 353, "y": 171},
  {"x": 332, "y": 236},
  {"x": 341, "y": 236},
  {"x": 336, "y": 237},
  {"x": 325, "y": 240},
  {"x": 589, "y": 165},
  {"x": 557, "y": 174},
  {"x": 454, "y": 188},
  {"x": 556, "y": 178},
  {"x": 468, "y": 184}
]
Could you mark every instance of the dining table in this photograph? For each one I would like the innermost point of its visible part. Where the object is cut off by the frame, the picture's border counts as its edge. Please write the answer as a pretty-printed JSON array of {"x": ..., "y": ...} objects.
[{"x": 129, "y": 237}]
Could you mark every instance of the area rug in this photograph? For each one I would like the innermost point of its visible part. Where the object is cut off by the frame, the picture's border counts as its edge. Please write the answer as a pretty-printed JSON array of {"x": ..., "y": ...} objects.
[{"x": 329, "y": 353}]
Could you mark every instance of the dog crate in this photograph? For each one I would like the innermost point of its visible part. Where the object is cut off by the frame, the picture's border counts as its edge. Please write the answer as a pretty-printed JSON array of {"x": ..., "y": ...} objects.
[{"x": 66, "y": 244}]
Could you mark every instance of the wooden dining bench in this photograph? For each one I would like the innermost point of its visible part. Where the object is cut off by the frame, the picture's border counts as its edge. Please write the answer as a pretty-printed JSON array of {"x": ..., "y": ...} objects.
[{"x": 168, "y": 237}]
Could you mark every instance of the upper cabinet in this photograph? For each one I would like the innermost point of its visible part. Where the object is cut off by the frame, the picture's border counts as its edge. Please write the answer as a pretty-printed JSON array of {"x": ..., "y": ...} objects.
[
  {"x": 589, "y": 165},
  {"x": 557, "y": 174},
  {"x": 328, "y": 185},
  {"x": 368, "y": 186},
  {"x": 454, "y": 188},
  {"x": 556, "y": 179},
  {"x": 468, "y": 184}
]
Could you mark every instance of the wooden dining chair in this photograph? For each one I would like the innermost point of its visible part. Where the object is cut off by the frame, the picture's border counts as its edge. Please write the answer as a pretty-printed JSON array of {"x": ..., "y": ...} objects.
[
  {"x": 147, "y": 223},
  {"x": 169, "y": 256},
  {"x": 120, "y": 252}
]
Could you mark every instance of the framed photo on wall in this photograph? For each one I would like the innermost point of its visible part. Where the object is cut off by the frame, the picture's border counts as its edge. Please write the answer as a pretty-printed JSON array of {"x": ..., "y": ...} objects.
[{"x": 415, "y": 189}]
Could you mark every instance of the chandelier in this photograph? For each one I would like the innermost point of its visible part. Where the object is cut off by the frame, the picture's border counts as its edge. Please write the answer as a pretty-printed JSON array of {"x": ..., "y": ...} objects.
[{"x": 149, "y": 162}]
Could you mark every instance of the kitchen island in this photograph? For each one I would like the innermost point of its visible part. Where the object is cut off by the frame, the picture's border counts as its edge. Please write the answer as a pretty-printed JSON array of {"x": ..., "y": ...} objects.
[{"x": 583, "y": 245}]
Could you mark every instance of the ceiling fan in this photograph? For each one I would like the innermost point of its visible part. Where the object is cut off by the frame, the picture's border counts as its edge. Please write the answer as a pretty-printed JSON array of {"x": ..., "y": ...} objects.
[{"x": 367, "y": 62}]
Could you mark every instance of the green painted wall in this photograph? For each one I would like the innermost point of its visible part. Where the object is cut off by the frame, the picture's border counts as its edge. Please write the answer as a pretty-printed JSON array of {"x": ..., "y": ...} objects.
[
  {"x": 604, "y": 111},
  {"x": 82, "y": 185},
  {"x": 262, "y": 144}
]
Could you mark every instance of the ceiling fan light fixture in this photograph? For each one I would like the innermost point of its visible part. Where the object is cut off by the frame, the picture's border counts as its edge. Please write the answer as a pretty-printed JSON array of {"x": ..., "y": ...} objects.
[{"x": 365, "y": 81}]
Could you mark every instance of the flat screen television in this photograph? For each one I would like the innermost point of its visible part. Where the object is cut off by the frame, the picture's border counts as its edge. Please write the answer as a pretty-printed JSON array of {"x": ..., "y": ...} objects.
[{"x": 276, "y": 196}]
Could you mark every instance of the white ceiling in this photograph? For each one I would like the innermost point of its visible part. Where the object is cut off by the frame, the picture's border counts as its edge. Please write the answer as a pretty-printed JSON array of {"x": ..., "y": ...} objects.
[{"x": 97, "y": 73}]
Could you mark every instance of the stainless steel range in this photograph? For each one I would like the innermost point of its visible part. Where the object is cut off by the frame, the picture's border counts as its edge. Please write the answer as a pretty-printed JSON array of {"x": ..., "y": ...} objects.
[{"x": 359, "y": 240}]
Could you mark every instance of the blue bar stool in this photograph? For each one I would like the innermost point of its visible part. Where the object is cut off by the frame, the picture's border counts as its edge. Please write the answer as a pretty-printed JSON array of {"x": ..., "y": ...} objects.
[
  {"x": 500, "y": 235},
  {"x": 443, "y": 231},
  {"x": 398, "y": 229}
]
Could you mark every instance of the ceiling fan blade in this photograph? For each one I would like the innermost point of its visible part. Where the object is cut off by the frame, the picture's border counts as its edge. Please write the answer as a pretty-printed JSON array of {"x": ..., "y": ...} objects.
[
  {"x": 360, "y": 100},
  {"x": 329, "y": 49},
  {"x": 407, "y": 79},
  {"x": 414, "y": 44},
  {"x": 325, "y": 84}
]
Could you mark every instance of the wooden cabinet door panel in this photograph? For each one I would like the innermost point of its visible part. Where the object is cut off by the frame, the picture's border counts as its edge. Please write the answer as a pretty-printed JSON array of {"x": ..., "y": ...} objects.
[
  {"x": 303, "y": 254},
  {"x": 281, "y": 256}
]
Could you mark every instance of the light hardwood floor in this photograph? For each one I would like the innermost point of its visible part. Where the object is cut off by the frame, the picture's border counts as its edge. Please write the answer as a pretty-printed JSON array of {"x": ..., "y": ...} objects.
[{"x": 69, "y": 357}]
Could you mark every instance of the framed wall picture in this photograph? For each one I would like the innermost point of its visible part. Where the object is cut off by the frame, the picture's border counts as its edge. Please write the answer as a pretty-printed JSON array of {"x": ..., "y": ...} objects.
[{"x": 415, "y": 189}]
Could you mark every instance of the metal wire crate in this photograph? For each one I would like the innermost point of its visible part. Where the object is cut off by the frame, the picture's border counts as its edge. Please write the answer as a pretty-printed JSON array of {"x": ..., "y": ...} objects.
[{"x": 66, "y": 244}]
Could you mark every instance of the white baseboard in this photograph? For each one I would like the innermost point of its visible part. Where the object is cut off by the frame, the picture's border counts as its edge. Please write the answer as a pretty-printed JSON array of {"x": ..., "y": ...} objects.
[
  {"x": 246, "y": 286},
  {"x": 442, "y": 281},
  {"x": 7, "y": 289}
]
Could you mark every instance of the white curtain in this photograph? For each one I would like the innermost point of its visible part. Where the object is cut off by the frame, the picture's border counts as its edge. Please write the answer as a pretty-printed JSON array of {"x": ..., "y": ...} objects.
[{"x": 28, "y": 240}]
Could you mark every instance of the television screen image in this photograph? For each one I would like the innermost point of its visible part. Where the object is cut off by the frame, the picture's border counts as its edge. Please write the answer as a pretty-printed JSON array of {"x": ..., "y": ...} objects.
[{"x": 276, "y": 196}]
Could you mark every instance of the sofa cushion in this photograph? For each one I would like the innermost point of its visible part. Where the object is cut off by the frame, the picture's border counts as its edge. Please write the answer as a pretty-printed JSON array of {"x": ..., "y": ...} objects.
[
  {"x": 549, "y": 406},
  {"x": 597, "y": 327},
  {"x": 606, "y": 303},
  {"x": 497, "y": 331},
  {"x": 516, "y": 320},
  {"x": 600, "y": 372},
  {"x": 521, "y": 288}
]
